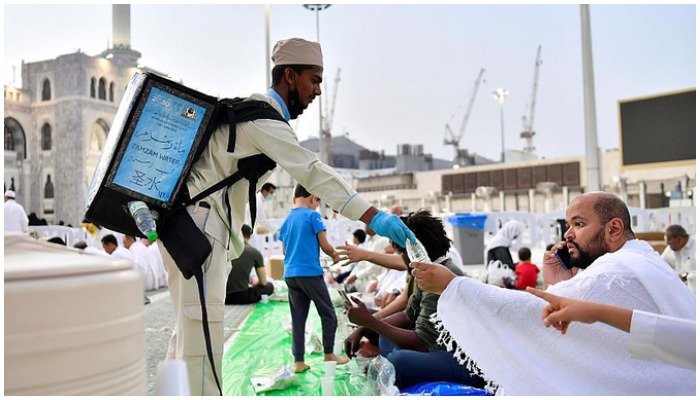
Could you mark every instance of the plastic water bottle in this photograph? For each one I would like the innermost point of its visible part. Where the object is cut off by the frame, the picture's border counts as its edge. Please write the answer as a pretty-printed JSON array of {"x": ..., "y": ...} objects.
[
  {"x": 416, "y": 251},
  {"x": 144, "y": 219}
]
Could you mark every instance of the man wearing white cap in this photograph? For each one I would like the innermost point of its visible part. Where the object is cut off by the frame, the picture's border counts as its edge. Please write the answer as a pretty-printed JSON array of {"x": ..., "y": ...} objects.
[
  {"x": 296, "y": 77},
  {"x": 16, "y": 219}
]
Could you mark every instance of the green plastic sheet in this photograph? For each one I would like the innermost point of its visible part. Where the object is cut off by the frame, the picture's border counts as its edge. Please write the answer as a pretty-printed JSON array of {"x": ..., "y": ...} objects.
[{"x": 263, "y": 346}]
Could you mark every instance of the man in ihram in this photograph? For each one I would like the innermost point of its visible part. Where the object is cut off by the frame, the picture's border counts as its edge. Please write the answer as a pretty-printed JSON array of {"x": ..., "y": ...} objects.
[
  {"x": 296, "y": 77},
  {"x": 499, "y": 333}
]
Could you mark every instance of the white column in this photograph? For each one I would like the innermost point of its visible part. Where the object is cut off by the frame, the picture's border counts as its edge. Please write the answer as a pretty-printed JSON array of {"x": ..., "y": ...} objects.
[
  {"x": 623, "y": 190},
  {"x": 642, "y": 194},
  {"x": 502, "y": 199},
  {"x": 487, "y": 203},
  {"x": 473, "y": 202},
  {"x": 531, "y": 200},
  {"x": 592, "y": 152}
]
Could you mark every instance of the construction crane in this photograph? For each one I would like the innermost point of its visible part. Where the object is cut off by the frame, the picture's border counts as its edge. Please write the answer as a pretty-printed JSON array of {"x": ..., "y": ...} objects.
[
  {"x": 327, "y": 122},
  {"x": 330, "y": 111},
  {"x": 460, "y": 157},
  {"x": 528, "y": 123}
]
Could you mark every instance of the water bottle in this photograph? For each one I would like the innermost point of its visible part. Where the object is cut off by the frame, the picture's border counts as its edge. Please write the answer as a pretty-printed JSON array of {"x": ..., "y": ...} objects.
[
  {"x": 416, "y": 251},
  {"x": 144, "y": 219}
]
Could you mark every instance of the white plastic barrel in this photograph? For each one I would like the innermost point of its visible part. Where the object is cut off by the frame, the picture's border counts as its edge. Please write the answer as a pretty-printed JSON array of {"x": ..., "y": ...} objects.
[{"x": 74, "y": 322}]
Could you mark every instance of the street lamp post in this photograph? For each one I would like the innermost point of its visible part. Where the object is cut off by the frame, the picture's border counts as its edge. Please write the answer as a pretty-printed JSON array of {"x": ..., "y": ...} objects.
[
  {"x": 321, "y": 139},
  {"x": 500, "y": 95},
  {"x": 267, "y": 45}
]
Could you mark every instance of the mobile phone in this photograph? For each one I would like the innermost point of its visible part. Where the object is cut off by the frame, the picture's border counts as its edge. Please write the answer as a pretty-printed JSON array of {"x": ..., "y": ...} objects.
[
  {"x": 564, "y": 257},
  {"x": 344, "y": 296}
]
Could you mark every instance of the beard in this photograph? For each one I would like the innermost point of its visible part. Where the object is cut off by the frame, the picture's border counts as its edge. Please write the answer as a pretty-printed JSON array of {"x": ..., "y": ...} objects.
[
  {"x": 586, "y": 257},
  {"x": 295, "y": 106}
]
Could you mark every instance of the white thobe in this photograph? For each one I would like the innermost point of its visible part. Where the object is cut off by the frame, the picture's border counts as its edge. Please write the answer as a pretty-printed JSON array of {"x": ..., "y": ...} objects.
[
  {"x": 155, "y": 261},
  {"x": 683, "y": 260},
  {"x": 16, "y": 219},
  {"x": 142, "y": 264}
]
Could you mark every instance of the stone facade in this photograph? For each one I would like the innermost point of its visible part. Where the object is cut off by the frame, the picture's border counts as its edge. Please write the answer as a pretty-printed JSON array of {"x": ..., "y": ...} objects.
[{"x": 76, "y": 96}]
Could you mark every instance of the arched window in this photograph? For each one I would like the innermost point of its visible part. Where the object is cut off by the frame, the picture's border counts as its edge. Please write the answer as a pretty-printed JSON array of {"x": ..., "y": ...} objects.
[
  {"x": 102, "y": 90},
  {"x": 46, "y": 90},
  {"x": 9, "y": 140},
  {"x": 92, "y": 87},
  {"x": 48, "y": 188},
  {"x": 46, "y": 137},
  {"x": 111, "y": 92},
  {"x": 15, "y": 139}
]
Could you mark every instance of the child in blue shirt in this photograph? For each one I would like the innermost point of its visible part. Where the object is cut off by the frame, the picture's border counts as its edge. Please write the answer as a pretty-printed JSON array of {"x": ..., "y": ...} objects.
[{"x": 302, "y": 234}]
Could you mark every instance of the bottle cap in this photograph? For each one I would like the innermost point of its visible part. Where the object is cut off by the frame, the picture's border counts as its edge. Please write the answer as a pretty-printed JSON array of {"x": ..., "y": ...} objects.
[{"x": 152, "y": 236}]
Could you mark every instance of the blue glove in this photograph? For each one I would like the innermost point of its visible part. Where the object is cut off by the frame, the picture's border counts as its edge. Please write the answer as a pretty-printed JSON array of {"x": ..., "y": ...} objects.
[{"x": 391, "y": 226}]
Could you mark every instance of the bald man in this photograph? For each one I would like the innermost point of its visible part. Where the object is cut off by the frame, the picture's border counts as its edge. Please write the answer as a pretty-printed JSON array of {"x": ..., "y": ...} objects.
[
  {"x": 396, "y": 209},
  {"x": 680, "y": 254},
  {"x": 499, "y": 332}
]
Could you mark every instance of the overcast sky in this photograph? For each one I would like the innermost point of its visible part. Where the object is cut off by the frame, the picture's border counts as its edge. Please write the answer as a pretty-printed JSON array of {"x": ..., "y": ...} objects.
[{"x": 406, "y": 70}]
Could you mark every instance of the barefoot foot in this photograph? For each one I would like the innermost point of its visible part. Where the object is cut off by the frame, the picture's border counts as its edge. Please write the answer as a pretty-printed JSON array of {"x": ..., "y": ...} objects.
[
  {"x": 300, "y": 366},
  {"x": 338, "y": 359}
]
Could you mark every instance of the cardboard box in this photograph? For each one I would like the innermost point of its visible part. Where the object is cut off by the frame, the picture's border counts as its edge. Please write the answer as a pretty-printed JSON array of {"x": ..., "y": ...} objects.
[{"x": 277, "y": 267}]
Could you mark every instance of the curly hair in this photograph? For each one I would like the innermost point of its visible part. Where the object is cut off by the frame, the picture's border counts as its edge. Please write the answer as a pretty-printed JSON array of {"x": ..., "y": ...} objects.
[{"x": 430, "y": 231}]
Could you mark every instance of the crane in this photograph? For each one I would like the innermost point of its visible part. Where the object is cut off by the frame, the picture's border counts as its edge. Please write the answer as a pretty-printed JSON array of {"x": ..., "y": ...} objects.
[
  {"x": 528, "y": 123},
  {"x": 327, "y": 122},
  {"x": 330, "y": 111},
  {"x": 450, "y": 137}
]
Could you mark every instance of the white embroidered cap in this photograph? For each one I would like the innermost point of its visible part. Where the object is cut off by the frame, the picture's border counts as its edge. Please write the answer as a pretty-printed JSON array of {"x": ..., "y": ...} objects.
[{"x": 297, "y": 51}]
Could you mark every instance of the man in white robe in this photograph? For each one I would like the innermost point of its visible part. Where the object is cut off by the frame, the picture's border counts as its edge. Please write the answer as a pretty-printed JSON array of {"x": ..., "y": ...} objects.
[
  {"x": 141, "y": 261},
  {"x": 680, "y": 254},
  {"x": 264, "y": 195},
  {"x": 16, "y": 219},
  {"x": 500, "y": 331}
]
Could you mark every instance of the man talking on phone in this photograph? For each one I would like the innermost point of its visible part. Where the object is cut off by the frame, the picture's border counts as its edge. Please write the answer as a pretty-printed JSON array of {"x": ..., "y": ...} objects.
[{"x": 500, "y": 334}]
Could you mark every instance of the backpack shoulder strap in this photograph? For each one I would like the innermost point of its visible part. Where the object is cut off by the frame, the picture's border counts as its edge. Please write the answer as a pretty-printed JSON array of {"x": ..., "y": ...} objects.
[{"x": 233, "y": 111}]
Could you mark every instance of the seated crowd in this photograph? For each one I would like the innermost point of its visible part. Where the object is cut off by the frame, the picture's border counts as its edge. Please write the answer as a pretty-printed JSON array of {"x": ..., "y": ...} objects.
[{"x": 496, "y": 339}]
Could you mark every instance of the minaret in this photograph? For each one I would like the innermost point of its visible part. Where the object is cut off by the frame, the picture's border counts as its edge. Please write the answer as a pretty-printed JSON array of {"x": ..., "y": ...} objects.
[
  {"x": 121, "y": 52},
  {"x": 121, "y": 26}
]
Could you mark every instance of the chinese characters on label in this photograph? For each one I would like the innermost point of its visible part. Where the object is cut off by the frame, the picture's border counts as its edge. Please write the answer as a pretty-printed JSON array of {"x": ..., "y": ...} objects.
[{"x": 157, "y": 151}]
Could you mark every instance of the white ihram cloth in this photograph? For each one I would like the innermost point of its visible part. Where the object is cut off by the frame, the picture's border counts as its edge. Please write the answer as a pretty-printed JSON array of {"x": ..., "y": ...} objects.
[
  {"x": 500, "y": 331},
  {"x": 665, "y": 339}
]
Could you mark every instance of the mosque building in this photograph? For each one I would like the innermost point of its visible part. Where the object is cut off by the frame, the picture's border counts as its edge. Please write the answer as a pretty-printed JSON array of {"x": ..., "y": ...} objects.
[{"x": 56, "y": 124}]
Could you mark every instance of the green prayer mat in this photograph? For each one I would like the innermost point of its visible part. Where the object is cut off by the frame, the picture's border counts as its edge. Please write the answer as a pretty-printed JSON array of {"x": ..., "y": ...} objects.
[{"x": 263, "y": 346}]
